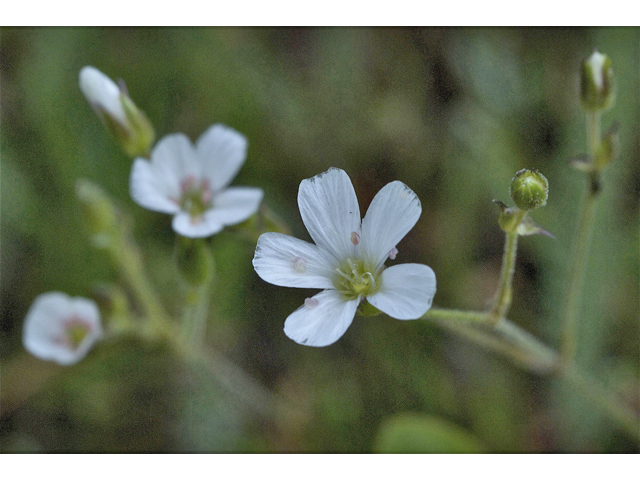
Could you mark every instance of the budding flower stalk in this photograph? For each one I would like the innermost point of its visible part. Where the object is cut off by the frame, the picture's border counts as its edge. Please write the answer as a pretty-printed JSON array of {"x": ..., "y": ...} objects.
[
  {"x": 127, "y": 123},
  {"x": 597, "y": 83}
]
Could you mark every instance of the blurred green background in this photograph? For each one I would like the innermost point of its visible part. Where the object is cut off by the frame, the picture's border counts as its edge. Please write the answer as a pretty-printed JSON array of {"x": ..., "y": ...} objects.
[{"x": 451, "y": 112}]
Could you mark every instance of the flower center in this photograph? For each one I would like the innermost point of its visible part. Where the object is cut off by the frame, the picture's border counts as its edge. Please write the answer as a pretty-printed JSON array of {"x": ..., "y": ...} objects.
[
  {"x": 354, "y": 279},
  {"x": 76, "y": 330},
  {"x": 195, "y": 197}
]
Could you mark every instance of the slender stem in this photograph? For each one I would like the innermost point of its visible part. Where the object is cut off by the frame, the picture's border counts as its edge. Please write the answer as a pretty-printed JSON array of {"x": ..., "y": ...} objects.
[
  {"x": 127, "y": 258},
  {"x": 504, "y": 294},
  {"x": 580, "y": 247},
  {"x": 504, "y": 337},
  {"x": 232, "y": 378},
  {"x": 439, "y": 314},
  {"x": 528, "y": 352},
  {"x": 619, "y": 411},
  {"x": 195, "y": 314}
]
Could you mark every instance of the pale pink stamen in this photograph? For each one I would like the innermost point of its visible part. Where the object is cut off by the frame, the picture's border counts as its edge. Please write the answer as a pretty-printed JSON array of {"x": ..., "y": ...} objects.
[
  {"x": 393, "y": 253},
  {"x": 299, "y": 265},
  {"x": 355, "y": 238},
  {"x": 187, "y": 183},
  {"x": 311, "y": 302}
]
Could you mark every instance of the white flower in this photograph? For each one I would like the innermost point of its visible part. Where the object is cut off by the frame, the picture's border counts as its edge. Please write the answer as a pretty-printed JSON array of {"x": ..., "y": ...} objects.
[
  {"x": 191, "y": 182},
  {"x": 347, "y": 259},
  {"x": 60, "y": 328}
]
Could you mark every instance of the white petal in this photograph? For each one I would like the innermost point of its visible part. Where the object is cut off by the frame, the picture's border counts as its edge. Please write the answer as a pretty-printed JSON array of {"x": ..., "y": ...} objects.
[
  {"x": 407, "y": 291},
  {"x": 288, "y": 262},
  {"x": 44, "y": 331},
  {"x": 101, "y": 92},
  {"x": 148, "y": 190},
  {"x": 222, "y": 151},
  {"x": 201, "y": 227},
  {"x": 174, "y": 159},
  {"x": 236, "y": 204},
  {"x": 393, "y": 212},
  {"x": 322, "y": 320},
  {"x": 330, "y": 211}
]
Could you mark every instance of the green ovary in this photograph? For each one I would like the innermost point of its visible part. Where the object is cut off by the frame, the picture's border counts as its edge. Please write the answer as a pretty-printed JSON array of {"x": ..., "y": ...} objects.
[
  {"x": 196, "y": 197},
  {"x": 355, "y": 279},
  {"x": 76, "y": 332}
]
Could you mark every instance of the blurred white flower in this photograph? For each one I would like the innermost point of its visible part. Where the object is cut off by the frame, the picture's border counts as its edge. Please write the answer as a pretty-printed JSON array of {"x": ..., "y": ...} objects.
[
  {"x": 128, "y": 124},
  {"x": 61, "y": 328},
  {"x": 191, "y": 182},
  {"x": 347, "y": 259}
]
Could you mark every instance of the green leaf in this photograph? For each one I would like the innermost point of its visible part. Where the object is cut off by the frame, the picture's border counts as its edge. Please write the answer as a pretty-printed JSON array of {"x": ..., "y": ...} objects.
[{"x": 416, "y": 433}]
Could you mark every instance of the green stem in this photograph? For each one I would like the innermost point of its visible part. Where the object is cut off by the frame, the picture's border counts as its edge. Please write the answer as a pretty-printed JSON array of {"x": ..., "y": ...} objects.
[
  {"x": 195, "y": 314},
  {"x": 504, "y": 294},
  {"x": 439, "y": 314},
  {"x": 580, "y": 247},
  {"x": 528, "y": 352},
  {"x": 619, "y": 411},
  {"x": 128, "y": 259}
]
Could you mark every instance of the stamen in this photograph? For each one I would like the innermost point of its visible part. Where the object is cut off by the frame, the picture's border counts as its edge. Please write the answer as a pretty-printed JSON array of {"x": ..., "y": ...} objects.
[
  {"x": 355, "y": 279},
  {"x": 311, "y": 302},
  {"x": 392, "y": 253},
  {"x": 299, "y": 265},
  {"x": 354, "y": 267},
  {"x": 371, "y": 279},
  {"x": 342, "y": 274},
  {"x": 355, "y": 238}
]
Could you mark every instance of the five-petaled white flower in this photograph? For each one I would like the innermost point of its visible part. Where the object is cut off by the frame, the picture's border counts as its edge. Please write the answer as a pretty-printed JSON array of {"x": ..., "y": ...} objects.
[
  {"x": 61, "y": 328},
  {"x": 191, "y": 182},
  {"x": 347, "y": 259}
]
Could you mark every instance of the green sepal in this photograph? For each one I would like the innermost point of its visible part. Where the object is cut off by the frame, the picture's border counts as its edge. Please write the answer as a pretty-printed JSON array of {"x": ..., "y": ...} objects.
[
  {"x": 528, "y": 227},
  {"x": 194, "y": 260},
  {"x": 365, "y": 309}
]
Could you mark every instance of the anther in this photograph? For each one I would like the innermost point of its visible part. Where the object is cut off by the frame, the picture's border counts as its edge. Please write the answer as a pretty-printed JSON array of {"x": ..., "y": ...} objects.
[
  {"x": 299, "y": 265},
  {"x": 311, "y": 302},
  {"x": 355, "y": 238}
]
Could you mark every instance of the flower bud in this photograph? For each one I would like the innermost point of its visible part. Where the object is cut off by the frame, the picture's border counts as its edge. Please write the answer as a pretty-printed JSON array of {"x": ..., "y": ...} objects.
[
  {"x": 529, "y": 189},
  {"x": 100, "y": 214},
  {"x": 127, "y": 123},
  {"x": 597, "y": 83}
]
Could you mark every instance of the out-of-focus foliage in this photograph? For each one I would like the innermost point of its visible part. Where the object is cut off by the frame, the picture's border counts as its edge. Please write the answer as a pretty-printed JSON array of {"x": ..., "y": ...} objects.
[{"x": 453, "y": 113}]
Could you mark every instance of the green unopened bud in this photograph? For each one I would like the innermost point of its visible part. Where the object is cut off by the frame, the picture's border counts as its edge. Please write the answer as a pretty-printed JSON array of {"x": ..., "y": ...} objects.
[
  {"x": 125, "y": 121},
  {"x": 597, "y": 83},
  {"x": 529, "y": 189},
  {"x": 100, "y": 214},
  {"x": 194, "y": 260}
]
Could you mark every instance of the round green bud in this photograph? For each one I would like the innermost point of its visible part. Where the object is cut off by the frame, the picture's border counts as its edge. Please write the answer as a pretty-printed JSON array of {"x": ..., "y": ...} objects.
[
  {"x": 529, "y": 189},
  {"x": 597, "y": 83}
]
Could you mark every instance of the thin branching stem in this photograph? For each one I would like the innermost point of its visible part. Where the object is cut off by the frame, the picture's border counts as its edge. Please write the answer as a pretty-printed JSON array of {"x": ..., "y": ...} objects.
[
  {"x": 529, "y": 353},
  {"x": 580, "y": 247},
  {"x": 504, "y": 294}
]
